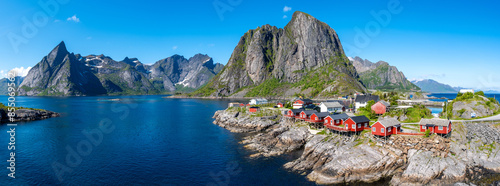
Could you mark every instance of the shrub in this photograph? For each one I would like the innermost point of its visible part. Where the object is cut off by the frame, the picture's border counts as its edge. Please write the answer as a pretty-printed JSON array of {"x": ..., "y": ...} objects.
[{"x": 427, "y": 133}]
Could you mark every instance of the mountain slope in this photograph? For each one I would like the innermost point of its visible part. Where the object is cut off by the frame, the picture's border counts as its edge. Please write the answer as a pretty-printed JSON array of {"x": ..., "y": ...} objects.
[
  {"x": 382, "y": 76},
  {"x": 4, "y": 84},
  {"x": 65, "y": 74},
  {"x": 431, "y": 86},
  {"x": 305, "y": 57}
]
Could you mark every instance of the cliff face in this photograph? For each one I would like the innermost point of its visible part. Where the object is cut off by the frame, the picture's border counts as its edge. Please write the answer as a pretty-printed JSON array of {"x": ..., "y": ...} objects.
[
  {"x": 381, "y": 75},
  {"x": 65, "y": 74},
  {"x": 281, "y": 59}
]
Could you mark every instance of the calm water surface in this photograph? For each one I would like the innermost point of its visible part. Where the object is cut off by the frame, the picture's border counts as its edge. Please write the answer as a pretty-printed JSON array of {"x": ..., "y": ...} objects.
[{"x": 154, "y": 141}]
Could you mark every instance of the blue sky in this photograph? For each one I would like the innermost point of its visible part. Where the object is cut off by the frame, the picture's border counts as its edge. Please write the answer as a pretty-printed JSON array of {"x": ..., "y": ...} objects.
[{"x": 454, "y": 42}]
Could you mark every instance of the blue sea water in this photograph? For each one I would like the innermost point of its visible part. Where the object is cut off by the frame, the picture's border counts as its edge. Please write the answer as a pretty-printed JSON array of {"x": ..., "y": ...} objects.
[{"x": 146, "y": 140}]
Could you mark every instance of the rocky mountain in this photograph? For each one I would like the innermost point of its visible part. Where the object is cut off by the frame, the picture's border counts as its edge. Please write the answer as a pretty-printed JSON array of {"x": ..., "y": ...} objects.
[
  {"x": 381, "y": 76},
  {"x": 431, "y": 86},
  {"x": 305, "y": 57},
  {"x": 4, "y": 84},
  {"x": 62, "y": 73}
]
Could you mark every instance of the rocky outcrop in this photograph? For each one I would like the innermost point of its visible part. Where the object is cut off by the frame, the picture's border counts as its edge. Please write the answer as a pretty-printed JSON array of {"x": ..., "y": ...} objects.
[
  {"x": 27, "y": 115},
  {"x": 275, "y": 58},
  {"x": 469, "y": 155},
  {"x": 61, "y": 73},
  {"x": 381, "y": 75},
  {"x": 236, "y": 122},
  {"x": 481, "y": 108}
]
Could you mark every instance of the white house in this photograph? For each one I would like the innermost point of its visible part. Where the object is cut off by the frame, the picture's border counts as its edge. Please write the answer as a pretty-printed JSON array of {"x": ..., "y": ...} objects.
[
  {"x": 258, "y": 101},
  {"x": 362, "y": 100},
  {"x": 331, "y": 107},
  {"x": 463, "y": 91}
]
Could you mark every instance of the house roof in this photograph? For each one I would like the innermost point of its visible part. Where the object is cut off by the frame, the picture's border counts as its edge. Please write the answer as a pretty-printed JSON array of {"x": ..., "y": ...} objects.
[
  {"x": 389, "y": 122},
  {"x": 332, "y": 104},
  {"x": 366, "y": 98},
  {"x": 385, "y": 103},
  {"x": 342, "y": 116},
  {"x": 295, "y": 111},
  {"x": 434, "y": 122},
  {"x": 322, "y": 114},
  {"x": 360, "y": 119},
  {"x": 309, "y": 112}
]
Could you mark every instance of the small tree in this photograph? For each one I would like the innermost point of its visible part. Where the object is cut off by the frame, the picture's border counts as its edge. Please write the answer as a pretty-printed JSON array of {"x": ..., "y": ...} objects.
[{"x": 427, "y": 133}]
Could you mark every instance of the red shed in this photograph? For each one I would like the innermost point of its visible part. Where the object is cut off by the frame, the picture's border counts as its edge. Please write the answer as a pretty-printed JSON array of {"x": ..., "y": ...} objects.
[
  {"x": 357, "y": 123},
  {"x": 386, "y": 127},
  {"x": 280, "y": 105},
  {"x": 254, "y": 109},
  {"x": 438, "y": 126},
  {"x": 242, "y": 105},
  {"x": 381, "y": 107},
  {"x": 335, "y": 119}
]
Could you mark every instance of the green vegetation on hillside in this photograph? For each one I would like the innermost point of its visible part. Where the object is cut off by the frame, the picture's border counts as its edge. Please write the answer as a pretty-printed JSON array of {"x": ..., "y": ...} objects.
[{"x": 414, "y": 114}]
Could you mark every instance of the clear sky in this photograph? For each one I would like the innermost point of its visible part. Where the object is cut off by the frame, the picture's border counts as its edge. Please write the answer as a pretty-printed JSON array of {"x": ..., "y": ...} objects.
[{"x": 454, "y": 42}]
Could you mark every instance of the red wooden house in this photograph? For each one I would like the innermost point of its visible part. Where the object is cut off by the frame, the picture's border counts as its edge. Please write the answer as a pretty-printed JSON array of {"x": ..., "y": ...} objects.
[
  {"x": 318, "y": 117},
  {"x": 253, "y": 109},
  {"x": 242, "y": 104},
  {"x": 280, "y": 105},
  {"x": 306, "y": 114},
  {"x": 381, "y": 107},
  {"x": 438, "y": 126},
  {"x": 335, "y": 119},
  {"x": 357, "y": 123},
  {"x": 301, "y": 103},
  {"x": 294, "y": 113},
  {"x": 386, "y": 127}
]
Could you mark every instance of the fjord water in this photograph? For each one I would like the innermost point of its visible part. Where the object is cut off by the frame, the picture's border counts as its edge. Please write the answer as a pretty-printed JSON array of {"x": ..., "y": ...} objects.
[{"x": 155, "y": 141}]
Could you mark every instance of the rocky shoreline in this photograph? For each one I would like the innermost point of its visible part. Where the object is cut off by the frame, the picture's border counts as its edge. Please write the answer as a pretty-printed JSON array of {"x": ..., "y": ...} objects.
[
  {"x": 27, "y": 115},
  {"x": 470, "y": 155}
]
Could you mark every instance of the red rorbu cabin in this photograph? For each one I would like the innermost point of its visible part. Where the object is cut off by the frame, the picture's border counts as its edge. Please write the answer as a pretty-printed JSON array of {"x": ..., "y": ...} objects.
[
  {"x": 381, "y": 107},
  {"x": 335, "y": 119},
  {"x": 242, "y": 105},
  {"x": 386, "y": 127},
  {"x": 306, "y": 114},
  {"x": 254, "y": 109},
  {"x": 294, "y": 113},
  {"x": 357, "y": 123},
  {"x": 318, "y": 117},
  {"x": 438, "y": 126}
]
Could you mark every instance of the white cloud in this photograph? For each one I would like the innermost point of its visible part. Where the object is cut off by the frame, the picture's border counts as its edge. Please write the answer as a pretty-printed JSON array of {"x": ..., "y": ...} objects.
[
  {"x": 73, "y": 18},
  {"x": 21, "y": 71},
  {"x": 284, "y": 16},
  {"x": 287, "y": 8},
  {"x": 174, "y": 48}
]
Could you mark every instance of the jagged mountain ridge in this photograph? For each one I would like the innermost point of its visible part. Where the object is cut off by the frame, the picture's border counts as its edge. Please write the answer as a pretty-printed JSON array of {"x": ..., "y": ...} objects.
[
  {"x": 4, "y": 84},
  {"x": 381, "y": 75},
  {"x": 304, "y": 57},
  {"x": 65, "y": 74}
]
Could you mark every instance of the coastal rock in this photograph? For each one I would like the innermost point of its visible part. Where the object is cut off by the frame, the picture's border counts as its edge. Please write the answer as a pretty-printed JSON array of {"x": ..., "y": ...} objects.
[
  {"x": 481, "y": 108},
  {"x": 239, "y": 123},
  {"x": 27, "y": 115},
  {"x": 469, "y": 155}
]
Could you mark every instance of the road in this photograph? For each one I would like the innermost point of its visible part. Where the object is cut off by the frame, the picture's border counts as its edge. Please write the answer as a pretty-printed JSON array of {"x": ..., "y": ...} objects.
[{"x": 496, "y": 117}]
